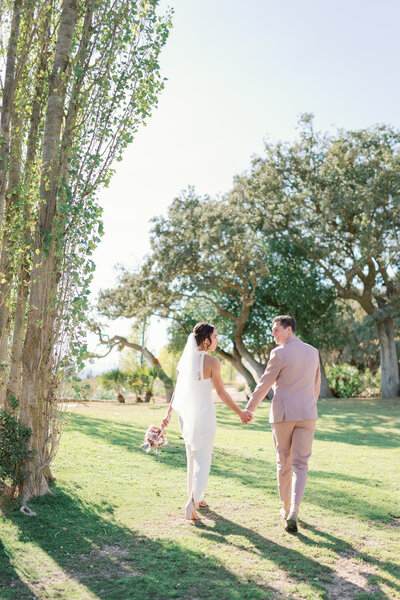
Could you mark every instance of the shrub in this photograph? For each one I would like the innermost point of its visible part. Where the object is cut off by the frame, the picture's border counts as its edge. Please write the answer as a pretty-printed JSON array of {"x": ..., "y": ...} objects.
[
  {"x": 142, "y": 382},
  {"x": 345, "y": 380},
  {"x": 13, "y": 447},
  {"x": 115, "y": 380},
  {"x": 372, "y": 384}
]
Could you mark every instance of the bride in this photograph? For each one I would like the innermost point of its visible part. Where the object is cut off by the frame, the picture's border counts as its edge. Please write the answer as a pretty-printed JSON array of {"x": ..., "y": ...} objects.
[{"x": 197, "y": 372}]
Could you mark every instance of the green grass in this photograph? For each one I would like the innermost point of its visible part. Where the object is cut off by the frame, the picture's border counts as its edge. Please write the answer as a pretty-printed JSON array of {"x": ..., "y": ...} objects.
[{"x": 114, "y": 528}]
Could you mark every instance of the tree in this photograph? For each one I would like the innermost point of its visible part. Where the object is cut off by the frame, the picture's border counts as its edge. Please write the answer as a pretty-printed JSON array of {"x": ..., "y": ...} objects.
[
  {"x": 120, "y": 342},
  {"x": 337, "y": 197},
  {"x": 81, "y": 76},
  {"x": 209, "y": 262},
  {"x": 142, "y": 381},
  {"x": 197, "y": 251},
  {"x": 114, "y": 380},
  {"x": 361, "y": 345}
]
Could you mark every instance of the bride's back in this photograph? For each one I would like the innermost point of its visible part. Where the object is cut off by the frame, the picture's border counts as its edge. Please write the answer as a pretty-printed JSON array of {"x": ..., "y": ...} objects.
[{"x": 209, "y": 363}]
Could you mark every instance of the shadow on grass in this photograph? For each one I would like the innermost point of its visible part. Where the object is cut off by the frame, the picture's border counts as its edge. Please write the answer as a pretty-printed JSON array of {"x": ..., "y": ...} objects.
[
  {"x": 327, "y": 491},
  {"x": 295, "y": 564},
  {"x": 113, "y": 562},
  {"x": 11, "y": 585},
  {"x": 346, "y": 550},
  {"x": 323, "y": 489},
  {"x": 224, "y": 462},
  {"x": 354, "y": 422}
]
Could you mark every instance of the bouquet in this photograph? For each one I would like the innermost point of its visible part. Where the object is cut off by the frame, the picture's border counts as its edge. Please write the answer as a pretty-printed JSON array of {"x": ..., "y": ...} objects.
[{"x": 154, "y": 438}]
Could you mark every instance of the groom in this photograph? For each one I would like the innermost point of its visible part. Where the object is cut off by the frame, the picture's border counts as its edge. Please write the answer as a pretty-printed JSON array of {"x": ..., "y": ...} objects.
[{"x": 293, "y": 370}]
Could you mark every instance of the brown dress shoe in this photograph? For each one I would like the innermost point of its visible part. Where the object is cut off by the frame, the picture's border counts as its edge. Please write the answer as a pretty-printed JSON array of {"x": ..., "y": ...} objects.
[{"x": 291, "y": 522}]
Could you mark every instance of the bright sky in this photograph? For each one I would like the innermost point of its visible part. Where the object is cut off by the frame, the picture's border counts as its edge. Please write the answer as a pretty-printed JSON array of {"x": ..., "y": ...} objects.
[{"x": 238, "y": 72}]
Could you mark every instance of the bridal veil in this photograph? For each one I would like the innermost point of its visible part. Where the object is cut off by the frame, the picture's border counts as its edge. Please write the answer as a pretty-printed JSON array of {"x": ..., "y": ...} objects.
[{"x": 188, "y": 397}]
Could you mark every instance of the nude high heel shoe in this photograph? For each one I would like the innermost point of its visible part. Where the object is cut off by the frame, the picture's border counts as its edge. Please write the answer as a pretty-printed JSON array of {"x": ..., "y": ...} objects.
[{"x": 190, "y": 512}]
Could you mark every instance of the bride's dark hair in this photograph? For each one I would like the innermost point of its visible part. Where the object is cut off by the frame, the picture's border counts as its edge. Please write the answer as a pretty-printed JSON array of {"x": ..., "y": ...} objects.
[{"x": 202, "y": 331}]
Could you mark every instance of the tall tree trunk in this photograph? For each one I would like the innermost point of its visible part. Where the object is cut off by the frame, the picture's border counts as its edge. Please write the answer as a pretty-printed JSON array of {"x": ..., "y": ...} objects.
[
  {"x": 38, "y": 345},
  {"x": 389, "y": 361},
  {"x": 6, "y": 109},
  {"x": 15, "y": 374},
  {"x": 36, "y": 366},
  {"x": 9, "y": 248}
]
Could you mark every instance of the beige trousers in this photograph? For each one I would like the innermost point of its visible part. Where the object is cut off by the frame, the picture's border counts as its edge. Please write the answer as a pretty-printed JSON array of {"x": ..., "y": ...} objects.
[{"x": 293, "y": 443}]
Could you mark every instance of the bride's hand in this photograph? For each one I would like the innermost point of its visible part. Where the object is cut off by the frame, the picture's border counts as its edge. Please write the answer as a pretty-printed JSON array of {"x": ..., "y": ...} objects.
[
  {"x": 246, "y": 417},
  {"x": 242, "y": 416},
  {"x": 166, "y": 420}
]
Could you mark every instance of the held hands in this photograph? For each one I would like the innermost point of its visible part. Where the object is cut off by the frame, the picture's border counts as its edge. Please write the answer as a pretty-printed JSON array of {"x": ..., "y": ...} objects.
[{"x": 246, "y": 417}]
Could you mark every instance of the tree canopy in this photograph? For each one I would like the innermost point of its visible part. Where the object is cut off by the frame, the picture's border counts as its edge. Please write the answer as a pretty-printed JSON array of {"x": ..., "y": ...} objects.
[
  {"x": 208, "y": 262},
  {"x": 337, "y": 197}
]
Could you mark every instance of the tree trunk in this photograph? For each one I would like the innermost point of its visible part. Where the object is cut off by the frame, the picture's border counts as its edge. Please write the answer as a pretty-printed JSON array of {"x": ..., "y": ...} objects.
[
  {"x": 389, "y": 361},
  {"x": 33, "y": 415},
  {"x": 325, "y": 391},
  {"x": 38, "y": 345},
  {"x": 236, "y": 361},
  {"x": 5, "y": 325},
  {"x": 6, "y": 109},
  {"x": 168, "y": 393},
  {"x": 9, "y": 249},
  {"x": 14, "y": 379},
  {"x": 247, "y": 356},
  {"x": 37, "y": 363}
]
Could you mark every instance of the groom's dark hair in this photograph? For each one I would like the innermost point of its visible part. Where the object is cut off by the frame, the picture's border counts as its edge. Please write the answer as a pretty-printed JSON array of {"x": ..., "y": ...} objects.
[
  {"x": 285, "y": 321},
  {"x": 202, "y": 331}
]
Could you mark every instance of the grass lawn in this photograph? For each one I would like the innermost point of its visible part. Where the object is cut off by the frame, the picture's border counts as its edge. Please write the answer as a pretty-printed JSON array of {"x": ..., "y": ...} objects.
[{"x": 114, "y": 527}]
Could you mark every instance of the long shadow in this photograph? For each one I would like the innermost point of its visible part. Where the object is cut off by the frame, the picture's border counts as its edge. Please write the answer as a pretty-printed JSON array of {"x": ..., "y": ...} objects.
[
  {"x": 345, "y": 421},
  {"x": 224, "y": 462},
  {"x": 344, "y": 549},
  {"x": 116, "y": 563},
  {"x": 113, "y": 562},
  {"x": 11, "y": 585},
  {"x": 295, "y": 563},
  {"x": 257, "y": 473}
]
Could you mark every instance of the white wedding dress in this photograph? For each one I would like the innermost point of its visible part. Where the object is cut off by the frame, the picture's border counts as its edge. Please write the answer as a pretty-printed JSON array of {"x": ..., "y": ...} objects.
[
  {"x": 199, "y": 454},
  {"x": 197, "y": 418}
]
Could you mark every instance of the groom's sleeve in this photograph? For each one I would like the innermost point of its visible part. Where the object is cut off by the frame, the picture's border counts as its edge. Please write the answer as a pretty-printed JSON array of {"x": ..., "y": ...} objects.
[
  {"x": 268, "y": 378},
  {"x": 317, "y": 384}
]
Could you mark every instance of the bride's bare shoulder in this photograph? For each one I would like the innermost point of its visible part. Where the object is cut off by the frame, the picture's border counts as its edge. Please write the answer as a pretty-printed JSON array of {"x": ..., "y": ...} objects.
[{"x": 211, "y": 361}]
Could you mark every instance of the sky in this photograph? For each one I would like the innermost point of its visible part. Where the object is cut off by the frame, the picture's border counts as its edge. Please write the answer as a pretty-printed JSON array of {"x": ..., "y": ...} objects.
[{"x": 238, "y": 73}]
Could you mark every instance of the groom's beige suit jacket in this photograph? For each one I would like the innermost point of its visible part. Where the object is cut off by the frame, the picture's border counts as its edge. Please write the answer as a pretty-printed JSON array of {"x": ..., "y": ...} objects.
[{"x": 293, "y": 372}]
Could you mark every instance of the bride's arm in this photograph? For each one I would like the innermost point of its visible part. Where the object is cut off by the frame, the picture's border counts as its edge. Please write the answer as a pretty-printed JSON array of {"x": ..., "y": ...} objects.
[
  {"x": 167, "y": 418},
  {"x": 221, "y": 391}
]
